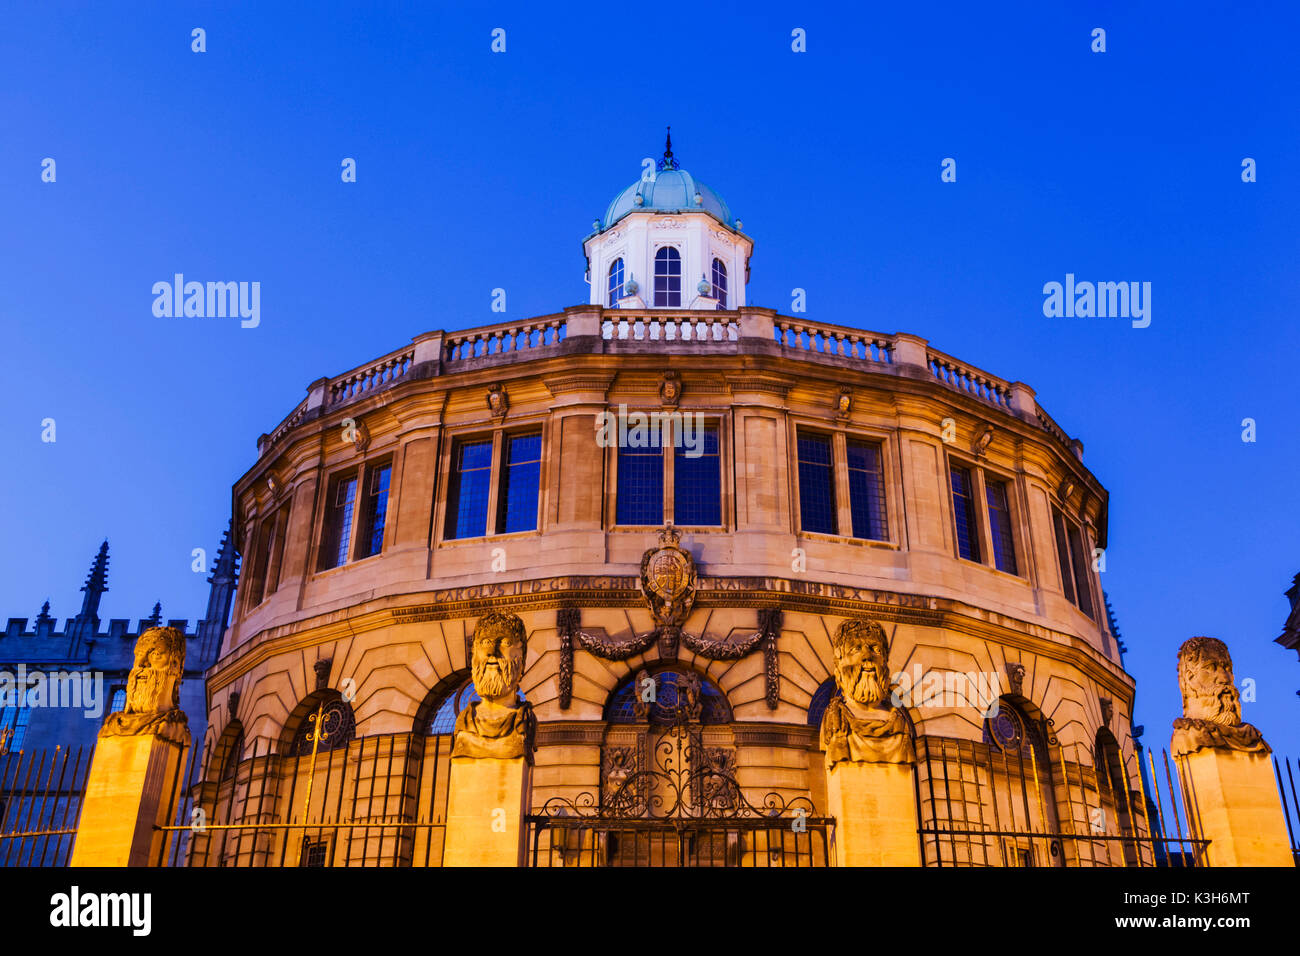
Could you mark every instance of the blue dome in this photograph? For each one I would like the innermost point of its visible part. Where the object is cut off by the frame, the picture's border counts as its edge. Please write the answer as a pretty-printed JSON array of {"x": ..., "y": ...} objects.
[{"x": 672, "y": 190}]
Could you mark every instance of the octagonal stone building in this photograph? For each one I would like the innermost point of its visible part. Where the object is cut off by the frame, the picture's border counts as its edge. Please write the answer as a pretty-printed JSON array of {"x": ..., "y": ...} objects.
[{"x": 810, "y": 474}]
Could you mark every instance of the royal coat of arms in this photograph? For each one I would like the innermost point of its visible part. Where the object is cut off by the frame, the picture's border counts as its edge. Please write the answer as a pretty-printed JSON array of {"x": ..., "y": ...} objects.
[{"x": 668, "y": 580}]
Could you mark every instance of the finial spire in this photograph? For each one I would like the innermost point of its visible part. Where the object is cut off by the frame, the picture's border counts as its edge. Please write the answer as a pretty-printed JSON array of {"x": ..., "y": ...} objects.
[
  {"x": 154, "y": 619},
  {"x": 668, "y": 162}
]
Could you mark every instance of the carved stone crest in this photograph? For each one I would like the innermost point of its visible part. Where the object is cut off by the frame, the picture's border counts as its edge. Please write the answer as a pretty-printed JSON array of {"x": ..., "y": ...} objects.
[
  {"x": 1211, "y": 705},
  {"x": 498, "y": 725},
  {"x": 153, "y": 689},
  {"x": 668, "y": 579},
  {"x": 498, "y": 402},
  {"x": 860, "y": 725},
  {"x": 670, "y": 389}
]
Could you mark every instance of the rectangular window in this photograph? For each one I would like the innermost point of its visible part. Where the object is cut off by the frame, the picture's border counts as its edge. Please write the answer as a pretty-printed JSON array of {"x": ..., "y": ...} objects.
[
  {"x": 521, "y": 474},
  {"x": 817, "y": 509},
  {"x": 267, "y": 556},
  {"x": 963, "y": 509},
  {"x": 261, "y": 561},
  {"x": 467, "y": 497},
  {"x": 640, "y": 486},
  {"x": 1004, "y": 545},
  {"x": 867, "y": 490},
  {"x": 338, "y": 521},
  {"x": 1082, "y": 586},
  {"x": 697, "y": 482},
  {"x": 374, "y": 510},
  {"x": 1073, "y": 563},
  {"x": 13, "y": 726}
]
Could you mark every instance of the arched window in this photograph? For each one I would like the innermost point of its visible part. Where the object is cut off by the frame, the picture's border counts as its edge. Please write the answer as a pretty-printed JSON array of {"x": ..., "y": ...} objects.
[
  {"x": 820, "y": 700},
  {"x": 338, "y": 728},
  {"x": 668, "y": 278},
  {"x": 720, "y": 283},
  {"x": 118, "y": 701},
  {"x": 627, "y": 705},
  {"x": 1013, "y": 733},
  {"x": 461, "y": 695},
  {"x": 615, "y": 284}
]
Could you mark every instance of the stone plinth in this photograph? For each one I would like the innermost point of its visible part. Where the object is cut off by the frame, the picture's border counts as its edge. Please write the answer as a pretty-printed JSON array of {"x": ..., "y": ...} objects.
[
  {"x": 1235, "y": 796},
  {"x": 485, "y": 811},
  {"x": 874, "y": 806},
  {"x": 131, "y": 787}
]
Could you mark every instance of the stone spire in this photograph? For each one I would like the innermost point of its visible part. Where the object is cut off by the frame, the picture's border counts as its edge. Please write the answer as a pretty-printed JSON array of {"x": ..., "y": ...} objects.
[
  {"x": 154, "y": 619},
  {"x": 225, "y": 576},
  {"x": 86, "y": 624}
]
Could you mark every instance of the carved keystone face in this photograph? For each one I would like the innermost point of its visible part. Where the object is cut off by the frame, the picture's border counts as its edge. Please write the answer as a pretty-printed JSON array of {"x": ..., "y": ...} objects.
[
  {"x": 498, "y": 655},
  {"x": 861, "y": 665}
]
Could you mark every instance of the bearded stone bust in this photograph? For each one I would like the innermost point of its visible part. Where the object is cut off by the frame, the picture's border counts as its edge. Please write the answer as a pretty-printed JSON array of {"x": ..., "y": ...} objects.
[
  {"x": 1211, "y": 704},
  {"x": 859, "y": 724},
  {"x": 499, "y": 725},
  {"x": 153, "y": 690}
]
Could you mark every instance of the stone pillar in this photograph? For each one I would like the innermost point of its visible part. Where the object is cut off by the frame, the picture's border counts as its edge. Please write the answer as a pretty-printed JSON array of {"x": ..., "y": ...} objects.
[
  {"x": 874, "y": 806},
  {"x": 869, "y": 756},
  {"x": 486, "y": 803},
  {"x": 492, "y": 753},
  {"x": 1234, "y": 801},
  {"x": 134, "y": 776},
  {"x": 131, "y": 787},
  {"x": 1236, "y": 804}
]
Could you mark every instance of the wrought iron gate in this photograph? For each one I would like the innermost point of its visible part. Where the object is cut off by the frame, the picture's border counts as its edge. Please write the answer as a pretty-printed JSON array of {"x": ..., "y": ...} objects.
[{"x": 671, "y": 801}]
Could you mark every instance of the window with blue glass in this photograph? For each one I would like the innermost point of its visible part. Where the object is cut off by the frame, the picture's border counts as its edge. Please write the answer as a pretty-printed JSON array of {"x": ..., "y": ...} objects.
[
  {"x": 461, "y": 696},
  {"x": 615, "y": 284},
  {"x": 337, "y": 533},
  {"x": 821, "y": 699},
  {"x": 720, "y": 283},
  {"x": 521, "y": 473},
  {"x": 817, "y": 511},
  {"x": 1004, "y": 544},
  {"x": 697, "y": 480},
  {"x": 374, "y": 513},
  {"x": 963, "y": 509},
  {"x": 633, "y": 703},
  {"x": 668, "y": 278},
  {"x": 640, "y": 486},
  {"x": 13, "y": 727},
  {"x": 1074, "y": 562},
  {"x": 867, "y": 490},
  {"x": 467, "y": 494}
]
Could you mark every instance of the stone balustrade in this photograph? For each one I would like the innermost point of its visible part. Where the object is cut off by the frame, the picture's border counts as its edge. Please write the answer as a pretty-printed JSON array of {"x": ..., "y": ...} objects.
[
  {"x": 971, "y": 380},
  {"x": 595, "y": 330},
  {"x": 834, "y": 340},
  {"x": 373, "y": 376},
  {"x": 504, "y": 339}
]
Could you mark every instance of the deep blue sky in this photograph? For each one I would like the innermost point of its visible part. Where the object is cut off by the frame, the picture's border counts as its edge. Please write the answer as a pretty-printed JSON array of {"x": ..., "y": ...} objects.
[{"x": 479, "y": 170}]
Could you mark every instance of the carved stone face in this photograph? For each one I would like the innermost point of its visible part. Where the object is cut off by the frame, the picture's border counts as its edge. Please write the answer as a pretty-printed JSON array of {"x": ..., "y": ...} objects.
[
  {"x": 497, "y": 665},
  {"x": 154, "y": 685},
  {"x": 861, "y": 662},
  {"x": 1205, "y": 678}
]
